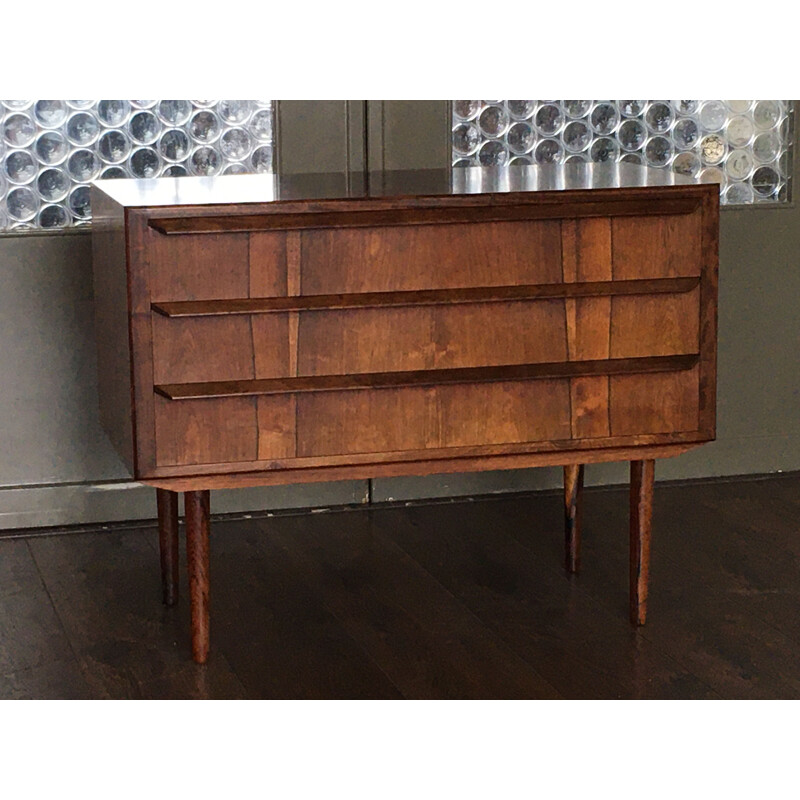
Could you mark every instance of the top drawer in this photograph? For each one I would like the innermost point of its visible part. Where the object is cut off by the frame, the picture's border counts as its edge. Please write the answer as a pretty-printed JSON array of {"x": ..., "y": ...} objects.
[{"x": 412, "y": 257}]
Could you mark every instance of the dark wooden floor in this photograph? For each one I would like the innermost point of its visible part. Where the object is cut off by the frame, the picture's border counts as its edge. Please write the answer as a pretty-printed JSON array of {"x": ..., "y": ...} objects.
[{"x": 460, "y": 599}]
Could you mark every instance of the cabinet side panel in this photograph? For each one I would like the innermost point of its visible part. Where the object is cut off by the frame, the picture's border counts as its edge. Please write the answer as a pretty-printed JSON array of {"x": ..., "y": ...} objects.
[{"x": 112, "y": 332}]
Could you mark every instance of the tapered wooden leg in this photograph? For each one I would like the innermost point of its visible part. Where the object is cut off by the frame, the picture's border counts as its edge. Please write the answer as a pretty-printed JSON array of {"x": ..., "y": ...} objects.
[
  {"x": 642, "y": 476},
  {"x": 573, "y": 502},
  {"x": 167, "y": 503},
  {"x": 197, "y": 531}
]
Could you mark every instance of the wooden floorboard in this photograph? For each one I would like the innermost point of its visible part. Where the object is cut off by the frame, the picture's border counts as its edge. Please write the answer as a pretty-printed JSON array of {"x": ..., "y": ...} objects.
[{"x": 449, "y": 599}]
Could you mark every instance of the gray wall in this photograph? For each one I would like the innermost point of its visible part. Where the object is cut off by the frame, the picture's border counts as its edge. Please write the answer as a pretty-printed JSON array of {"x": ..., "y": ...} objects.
[{"x": 57, "y": 468}]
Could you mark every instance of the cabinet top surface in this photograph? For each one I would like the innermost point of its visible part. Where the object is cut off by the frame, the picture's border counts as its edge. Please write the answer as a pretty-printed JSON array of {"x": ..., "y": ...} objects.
[{"x": 240, "y": 189}]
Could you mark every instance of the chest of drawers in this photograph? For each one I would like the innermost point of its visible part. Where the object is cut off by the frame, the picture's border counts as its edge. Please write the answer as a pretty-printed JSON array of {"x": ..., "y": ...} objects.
[{"x": 252, "y": 332}]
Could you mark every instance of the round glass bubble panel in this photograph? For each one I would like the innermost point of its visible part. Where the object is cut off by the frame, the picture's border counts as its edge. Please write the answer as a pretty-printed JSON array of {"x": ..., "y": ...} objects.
[
  {"x": 235, "y": 144},
  {"x": 50, "y": 113},
  {"x": 686, "y": 164},
  {"x": 19, "y": 130},
  {"x": 237, "y": 168},
  {"x": 83, "y": 166},
  {"x": 51, "y": 148},
  {"x": 685, "y": 133},
  {"x": 235, "y": 112},
  {"x": 576, "y": 136},
  {"x": 739, "y": 106},
  {"x": 144, "y": 127},
  {"x": 493, "y": 154},
  {"x": 113, "y": 113},
  {"x": 53, "y": 216},
  {"x": 713, "y": 115},
  {"x": 493, "y": 121},
  {"x": 17, "y": 105},
  {"x": 174, "y": 145},
  {"x": 658, "y": 117},
  {"x": 205, "y": 161},
  {"x": 576, "y": 109},
  {"x": 766, "y": 114},
  {"x": 739, "y": 165},
  {"x": 549, "y": 119},
  {"x": 174, "y": 112},
  {"x": 261, "y": 125},
  {"x": 739, "y": 194},
  {"x": 605, "y": 149},
  {"x": 521, "y": 109},
  {"x": 174, "y": 171},
  {"x": 604, "y": 119},
  {"x": 712, "y": 149},
  {"x": 466, "y": 109},
  {"x": 521, "y": 161},
  {"x": 658, "y": 151},
  {"x": 144, "y": 163},
  {"x": 549, "y": 151},
  {"x": 765, "y": 181},
  {"x": 205, "y": 127},
  {"x": 53, "y": 184},
  {"x": 631, "y": 108},
  {"x": 685, "y": 106},
  {"x": 261, "y": 159},
  {"x": 113, "y": 147},
  {"x": 19, "y": 167},
  {"x": 520, "y": 137},
  {"x": 21, "y": 204},
  {"x": 740, "y": 131},
  {"x": 82, "y": 129},
  {"x": 466, "y": 139},
  {"x": 632, "y": 134},
  {"x": 113, "y": 173},
  {"x": 766, "y": 147},
  {"x": 80, "y": 202}
]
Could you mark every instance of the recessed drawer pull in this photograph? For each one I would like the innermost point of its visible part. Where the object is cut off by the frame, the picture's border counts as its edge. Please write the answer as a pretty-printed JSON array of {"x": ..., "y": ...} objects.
[
  {"x": 320, "y": 302},
  {"x": 387, "y": 380}
]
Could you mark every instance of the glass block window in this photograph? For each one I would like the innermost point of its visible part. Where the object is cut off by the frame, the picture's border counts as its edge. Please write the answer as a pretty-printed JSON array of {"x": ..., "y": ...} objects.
[
  {"x": 51, "y": 150},
  {"x": 744, "y": 145}
]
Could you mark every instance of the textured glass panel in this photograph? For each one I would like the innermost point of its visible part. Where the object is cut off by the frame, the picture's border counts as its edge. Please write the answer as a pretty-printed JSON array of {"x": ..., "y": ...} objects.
[
  {"x": 50, "y": 150},
  {"x": 744, "y": 145}
]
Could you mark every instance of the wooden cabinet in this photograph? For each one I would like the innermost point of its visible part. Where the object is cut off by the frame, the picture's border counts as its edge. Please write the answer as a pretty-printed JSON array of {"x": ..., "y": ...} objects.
[{"x": 253, "y": 332}]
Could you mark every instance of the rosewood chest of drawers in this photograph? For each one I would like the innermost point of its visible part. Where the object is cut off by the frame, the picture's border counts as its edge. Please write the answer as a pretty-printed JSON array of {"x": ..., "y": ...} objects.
[{"x": 255, "y": 332}]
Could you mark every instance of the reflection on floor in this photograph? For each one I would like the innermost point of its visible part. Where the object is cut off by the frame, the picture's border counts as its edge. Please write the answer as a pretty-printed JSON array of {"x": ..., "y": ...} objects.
[{"x": 463, "y": 599}]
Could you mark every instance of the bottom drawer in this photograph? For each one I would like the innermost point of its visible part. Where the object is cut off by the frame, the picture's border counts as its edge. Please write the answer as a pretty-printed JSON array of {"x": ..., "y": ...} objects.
[{"x": 250, "y": 428}]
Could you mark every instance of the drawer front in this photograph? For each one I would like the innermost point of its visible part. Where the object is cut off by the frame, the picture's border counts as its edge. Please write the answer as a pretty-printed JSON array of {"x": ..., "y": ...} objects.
[
  {"x": 215, "y": 266},
  {"x": 355, "y": 341},
  {"x": 418, "y": 418},
  {"x": 413, "y": 257}
]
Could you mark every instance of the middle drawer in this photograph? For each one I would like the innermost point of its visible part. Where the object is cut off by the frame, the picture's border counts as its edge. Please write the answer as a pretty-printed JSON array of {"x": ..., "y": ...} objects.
[
  {"x": 347, "y": 341},
  {"x": 355, "y": 340}
]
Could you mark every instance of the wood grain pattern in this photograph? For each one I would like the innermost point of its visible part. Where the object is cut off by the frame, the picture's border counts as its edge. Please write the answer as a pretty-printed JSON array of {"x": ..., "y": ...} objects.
[
  {"x": 431, "y": 417},
  {"x": 167, "y": 505},
  {"x": 430, "y": 257},
  {"x": 431, "y": 211},
  {"x": 573, "y": 512},
  {"x": 427, "y": 338},
  {"x": 197, "y": 558},
  {"x": 656, "y": 403},
  {"x": 482, "y": 294},
  {"x": 657, "y": 247},
  {"x": 642, "y": 479},
  {"x": 389, "y": 380},
  {"x": 588, "y": 255}
]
